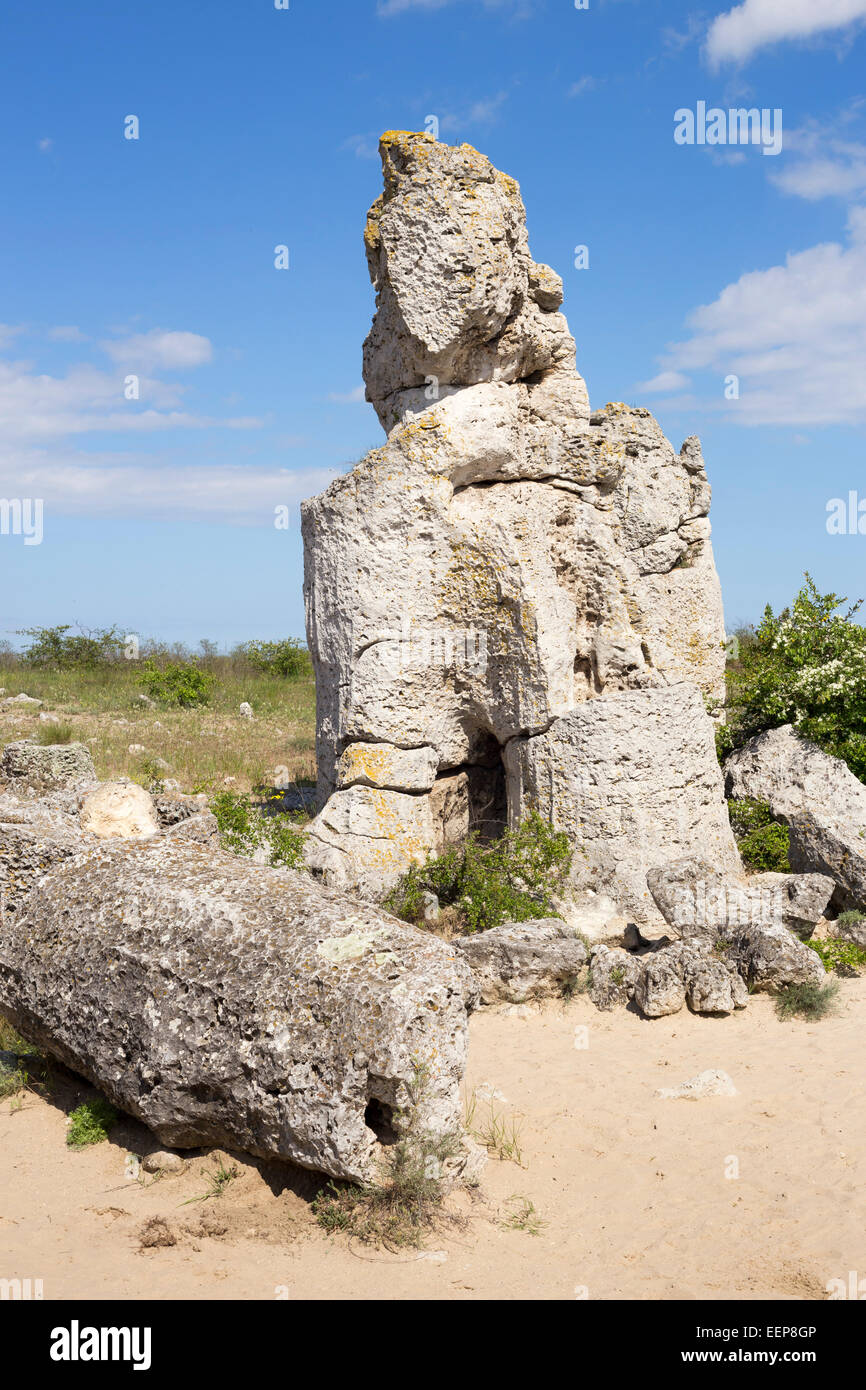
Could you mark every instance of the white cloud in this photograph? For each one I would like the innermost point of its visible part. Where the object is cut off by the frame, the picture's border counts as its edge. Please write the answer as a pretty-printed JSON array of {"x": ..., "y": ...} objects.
[
  {"x": 9, "y": 332},
  {"x": 583, "y": 84},
  {"x": 67, "y": 333},
  {"x": 79, "y": 484},
  {"x": 484, "y": 112},
  {"x": 157, "y": 349},
  {"x": 362, "y": 146},
  {"x": 45, "y": 145},
  {"x": 794, "y": 334},
  {"x": 347, "y": 397},
  {"x": 664, "y": 382},
  {"x": 822, "y": 161},
  {"x": 739, "y": 33}
]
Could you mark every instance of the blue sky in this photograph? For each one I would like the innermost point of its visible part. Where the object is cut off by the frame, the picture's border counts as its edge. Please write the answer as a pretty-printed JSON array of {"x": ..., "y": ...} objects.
[{"x": 258, "y": 127}]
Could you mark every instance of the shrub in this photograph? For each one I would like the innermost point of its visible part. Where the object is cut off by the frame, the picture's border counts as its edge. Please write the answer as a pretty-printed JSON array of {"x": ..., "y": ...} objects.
[
  {"x": 811, "y": 1000},
  {"x": 244, "y": 829},
  {"x": 51, "y": 647},
  {"x": 806, "y": 667},
  {"x": 508, "y": 880},
  {"x": 49, "y": 734},
  {"x": 288, "y": 657},
  {"x": 845, "y": 957},
  {"x": 762, "y": 842},
  {"x": 174, "y": 684},
  {"x": 90, "y": 1123}
]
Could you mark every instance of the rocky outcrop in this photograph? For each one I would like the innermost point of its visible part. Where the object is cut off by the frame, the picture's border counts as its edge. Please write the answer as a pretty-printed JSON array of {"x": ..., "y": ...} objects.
[
  {"x": 222, "y": 1003},
  {"x": 819, "y": 799},
  {"x": 508, "y": 566},
  {"x": 46, "y": 766},
  {"x": 522, "y": 961}
]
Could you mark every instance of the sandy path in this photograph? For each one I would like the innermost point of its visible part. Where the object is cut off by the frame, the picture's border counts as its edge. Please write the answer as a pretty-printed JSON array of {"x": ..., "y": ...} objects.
[{"x": 632, "y": 1189}]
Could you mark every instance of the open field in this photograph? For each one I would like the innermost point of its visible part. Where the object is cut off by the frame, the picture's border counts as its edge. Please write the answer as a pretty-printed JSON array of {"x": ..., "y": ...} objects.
[
  {"x": 202, "y": 746},
  {"x": 759, "y": 1195}
]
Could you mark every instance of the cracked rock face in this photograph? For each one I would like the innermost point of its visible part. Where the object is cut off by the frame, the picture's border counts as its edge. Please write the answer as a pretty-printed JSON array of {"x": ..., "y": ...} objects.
[
  {"x": 222, "y": 1003},
  {"x": 506, "y": 560}
]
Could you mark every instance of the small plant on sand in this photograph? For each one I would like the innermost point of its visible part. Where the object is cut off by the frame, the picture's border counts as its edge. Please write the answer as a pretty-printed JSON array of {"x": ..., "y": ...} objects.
[
  {"x": 90, "y": 1123},
  {"x": 404, "y": 1200},
  {"x": 496, "y": 1132},
  {"x": 762, "y": 842},
  {"x": 511, "y": 879},
  {"x": 520, "y": 1215},
  {"x": 183, "y": 686},
  {"x": 218, "y": 1179},
  {"x": 811, "y": 1000}
]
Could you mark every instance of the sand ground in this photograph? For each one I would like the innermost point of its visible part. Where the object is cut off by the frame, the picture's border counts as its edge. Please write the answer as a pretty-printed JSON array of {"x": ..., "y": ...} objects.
[{"x": 636, "y": 1194}]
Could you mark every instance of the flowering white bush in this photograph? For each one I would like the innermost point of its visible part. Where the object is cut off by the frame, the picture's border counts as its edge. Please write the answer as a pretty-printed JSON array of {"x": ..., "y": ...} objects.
[{"x": 806, "y": 667}]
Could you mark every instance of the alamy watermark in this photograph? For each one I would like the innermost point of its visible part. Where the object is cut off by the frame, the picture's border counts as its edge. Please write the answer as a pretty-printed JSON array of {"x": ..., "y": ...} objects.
[
  {"x": 22, "y": 516},
  {"x": 737, "y": 126},
  {"x": 410, "y": 647}
]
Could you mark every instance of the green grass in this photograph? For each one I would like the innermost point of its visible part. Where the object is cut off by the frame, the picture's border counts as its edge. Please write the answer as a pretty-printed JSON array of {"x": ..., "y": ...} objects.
[
  {"x": 90, "y": 1123},
  {"x": 100, "y": 707},
  {"x": 218, "y": 1179},
  {"x": 810, "y": 1001}
]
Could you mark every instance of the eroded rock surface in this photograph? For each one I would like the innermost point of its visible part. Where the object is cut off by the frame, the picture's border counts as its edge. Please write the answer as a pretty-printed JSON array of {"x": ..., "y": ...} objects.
[
  {"x": 222, "y": 1003},
  {"x": 506, "y": 561}
]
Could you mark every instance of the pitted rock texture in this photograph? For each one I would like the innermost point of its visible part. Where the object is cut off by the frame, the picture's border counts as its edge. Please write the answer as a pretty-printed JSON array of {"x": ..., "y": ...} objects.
[
  {"x": 26, "y": 764},
  {"x": 820, "y": 800},
  {"x": 506, "y": 557},
  {"x": 33, "y": 839},
  {"x": 222, "y": 1003},
  {"x": 521, "y": 961}
]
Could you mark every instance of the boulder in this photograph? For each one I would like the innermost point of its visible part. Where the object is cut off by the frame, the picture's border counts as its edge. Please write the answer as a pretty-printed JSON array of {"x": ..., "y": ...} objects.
[
  {"x": 695, "y": 898},
  {"x": 613, "y": 975},
  {"x": 249, "y": 1008},
  {"x": 688, "y": 972},
  {"x": 771, "y": 958},
  {"x": 819, "y": 799},
  {"x": 522, "y": 961},
  {"x": 119, "y": 810},
  {"x": 505, "y": 563},
  {"x": 27, "y": 701},
  {"x": 46, "y": 766}
]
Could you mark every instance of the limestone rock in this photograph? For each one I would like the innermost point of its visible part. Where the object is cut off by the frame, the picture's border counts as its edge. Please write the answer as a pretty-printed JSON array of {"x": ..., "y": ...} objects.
[
  {"x": 33, "y": 839},
  {"x": 504, "y": 563},
  {"x": 613, "y": 975},
  {"x": 26, "y": 764},
  {"x": 521, "y": 961},
  {"x": 202, "y": 828},
  {"x": 28, "y": 701},
  {"x": 819, "y": 798},
  {"x": 631, "y": 778},
  {"x": 688, "y": 972},
  {"x": 251, "y": 1008},
  {"x": 771, "y": 958},
  {"x": 119, "y": 810},
  {"x": 707, "y": 1083},
  {"x": 695, "y": 898}
]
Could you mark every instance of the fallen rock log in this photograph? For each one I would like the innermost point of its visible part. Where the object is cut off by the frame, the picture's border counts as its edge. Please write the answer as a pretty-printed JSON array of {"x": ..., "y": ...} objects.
[{"x": 224, "y": 1003}]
